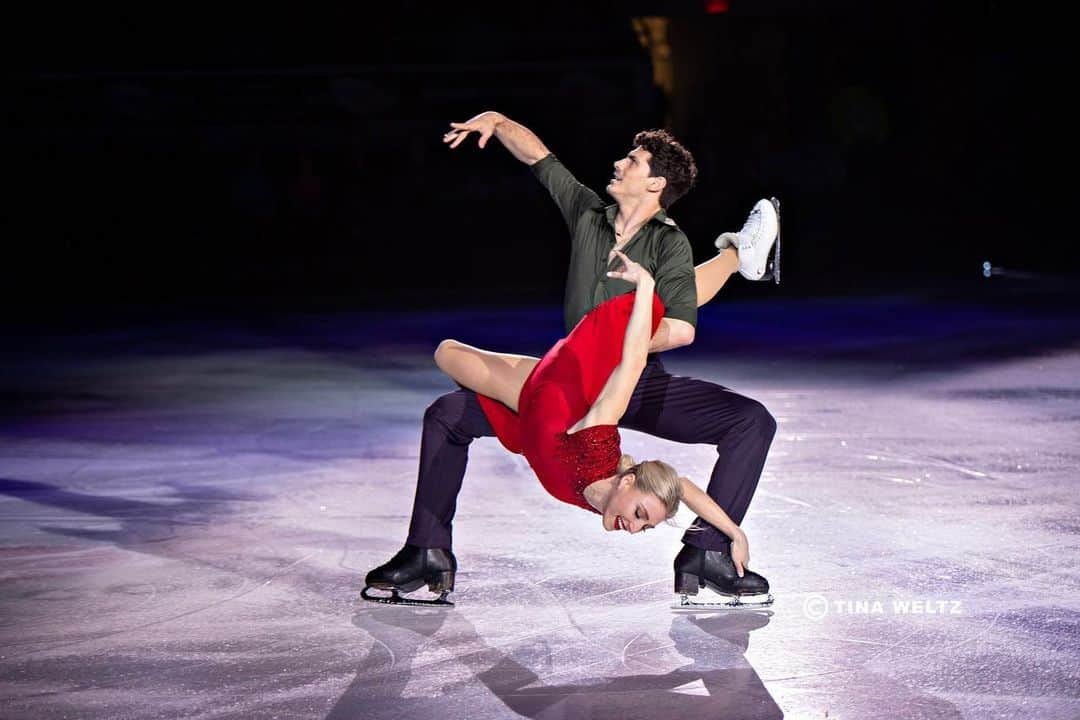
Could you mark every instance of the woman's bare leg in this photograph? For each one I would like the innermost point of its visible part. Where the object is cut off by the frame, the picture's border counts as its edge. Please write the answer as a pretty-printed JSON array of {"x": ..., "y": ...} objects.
[
  {"x": 497, "y": 375},
  {"x": 501, "y": 375},
  {"x": 711, "y": 275}
]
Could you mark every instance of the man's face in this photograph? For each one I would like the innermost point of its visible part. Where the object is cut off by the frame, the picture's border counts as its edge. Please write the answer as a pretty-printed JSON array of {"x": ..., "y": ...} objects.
[{"x": 631, "y": 177}]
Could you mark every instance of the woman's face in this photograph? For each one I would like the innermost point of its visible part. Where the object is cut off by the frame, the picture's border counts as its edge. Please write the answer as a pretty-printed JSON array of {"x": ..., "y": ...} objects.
[{"x": 632, "y": 510}]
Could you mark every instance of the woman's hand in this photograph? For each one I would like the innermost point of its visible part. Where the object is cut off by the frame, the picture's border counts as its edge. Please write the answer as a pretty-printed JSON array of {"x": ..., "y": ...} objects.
[
  {"x": 631, "y": 272},
  {"x": 740, "y": 552}
]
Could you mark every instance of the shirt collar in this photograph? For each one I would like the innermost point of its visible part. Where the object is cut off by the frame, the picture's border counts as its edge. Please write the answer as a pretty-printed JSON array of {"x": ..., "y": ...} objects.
[{"x": 610, "y": 211}]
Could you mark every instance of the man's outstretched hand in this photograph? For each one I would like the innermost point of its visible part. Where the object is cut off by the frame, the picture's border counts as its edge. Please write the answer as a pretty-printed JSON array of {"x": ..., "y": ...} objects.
[{"x": 484, "y": 123}]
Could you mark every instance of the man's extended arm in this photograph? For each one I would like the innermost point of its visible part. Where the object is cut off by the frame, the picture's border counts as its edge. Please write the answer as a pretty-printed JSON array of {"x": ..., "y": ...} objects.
[
  {"x": 518, "y": 139},
  {"x": 572, "y": 198}
]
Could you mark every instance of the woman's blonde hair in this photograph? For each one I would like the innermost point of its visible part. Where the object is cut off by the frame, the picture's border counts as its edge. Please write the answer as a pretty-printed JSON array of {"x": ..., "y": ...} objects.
[{"x": 656, "y": 477}]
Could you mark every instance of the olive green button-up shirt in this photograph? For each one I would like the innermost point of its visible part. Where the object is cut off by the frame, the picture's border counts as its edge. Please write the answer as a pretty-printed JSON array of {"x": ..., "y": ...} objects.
[{"x": 659, "y": 246}]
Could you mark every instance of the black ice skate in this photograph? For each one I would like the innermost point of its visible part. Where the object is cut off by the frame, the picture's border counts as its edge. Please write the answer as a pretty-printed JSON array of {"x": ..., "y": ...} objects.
[
  {"x": 412, "y": 567},
  {"x": 713, "y": 569}
]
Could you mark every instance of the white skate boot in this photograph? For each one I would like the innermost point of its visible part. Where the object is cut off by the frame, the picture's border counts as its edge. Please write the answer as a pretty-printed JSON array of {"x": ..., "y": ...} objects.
[{"x": 758, "y": 242}]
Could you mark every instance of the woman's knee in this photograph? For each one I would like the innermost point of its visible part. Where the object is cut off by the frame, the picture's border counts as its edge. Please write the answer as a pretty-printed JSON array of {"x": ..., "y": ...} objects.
[{"x": 444, "y": 352}]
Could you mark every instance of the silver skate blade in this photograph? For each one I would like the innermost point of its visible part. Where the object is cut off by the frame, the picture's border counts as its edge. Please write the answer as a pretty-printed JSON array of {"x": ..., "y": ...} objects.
[
  {"x": 772, "y": 265},
  {"x": 396, "y": 599},
  {"x": 714, "y": 602},
  {"x": 775, "y": 269}
]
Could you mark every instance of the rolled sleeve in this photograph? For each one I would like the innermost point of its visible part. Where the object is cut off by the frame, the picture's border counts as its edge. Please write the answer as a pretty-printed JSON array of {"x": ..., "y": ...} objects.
[
  {"x": 675, "y": 280},
  {"x": 572, "y": 198}
]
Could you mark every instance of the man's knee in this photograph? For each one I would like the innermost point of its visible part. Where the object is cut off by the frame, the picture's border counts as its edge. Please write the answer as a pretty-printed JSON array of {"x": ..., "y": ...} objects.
[
  {"x": 764, "y": 421},
  {"x": 458, "y": 417},
  {"x": 447, "y": 411},
  {"x": 758, "y": 419}
]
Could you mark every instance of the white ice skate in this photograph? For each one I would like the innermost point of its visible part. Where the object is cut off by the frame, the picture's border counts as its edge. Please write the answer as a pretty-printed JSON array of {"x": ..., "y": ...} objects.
[{"x": 758, "y": 242}]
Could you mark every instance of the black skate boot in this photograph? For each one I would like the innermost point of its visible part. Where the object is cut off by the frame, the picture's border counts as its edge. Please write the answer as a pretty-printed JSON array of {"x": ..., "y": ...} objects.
[
  {"x": 696, "y": 568},
  {"x": 412, "y": 567}
]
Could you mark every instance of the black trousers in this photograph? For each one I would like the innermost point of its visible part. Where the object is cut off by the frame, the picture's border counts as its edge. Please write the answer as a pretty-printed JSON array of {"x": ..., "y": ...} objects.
[{"x": 667, "y": 406}]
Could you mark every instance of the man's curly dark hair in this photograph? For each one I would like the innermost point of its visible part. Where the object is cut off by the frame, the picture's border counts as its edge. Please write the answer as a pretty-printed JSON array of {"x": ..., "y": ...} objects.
[{"x": 669, "y": 160}]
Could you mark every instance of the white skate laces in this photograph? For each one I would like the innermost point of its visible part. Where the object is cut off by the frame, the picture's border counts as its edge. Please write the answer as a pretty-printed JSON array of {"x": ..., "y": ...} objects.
[{"x": 755, "y": 240}]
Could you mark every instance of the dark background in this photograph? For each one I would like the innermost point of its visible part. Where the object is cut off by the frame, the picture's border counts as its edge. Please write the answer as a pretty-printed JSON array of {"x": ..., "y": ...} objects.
[{"x": 293, "y": 159}]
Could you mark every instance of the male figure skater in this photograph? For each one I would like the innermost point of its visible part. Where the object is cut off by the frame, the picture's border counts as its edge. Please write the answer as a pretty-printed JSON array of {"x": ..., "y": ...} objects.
[{"x": 645, "y": 183}]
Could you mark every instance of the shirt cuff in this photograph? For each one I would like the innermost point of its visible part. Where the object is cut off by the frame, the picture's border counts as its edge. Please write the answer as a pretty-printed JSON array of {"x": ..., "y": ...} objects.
[
  {"x": 543, "y": 162},
  {"x": 686, "y": 314}
]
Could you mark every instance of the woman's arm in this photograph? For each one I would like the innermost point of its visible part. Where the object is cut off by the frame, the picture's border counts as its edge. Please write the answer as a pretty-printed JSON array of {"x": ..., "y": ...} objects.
[
  {"x": 706, "y": 508},
  {"x": 615, "y": 395}
]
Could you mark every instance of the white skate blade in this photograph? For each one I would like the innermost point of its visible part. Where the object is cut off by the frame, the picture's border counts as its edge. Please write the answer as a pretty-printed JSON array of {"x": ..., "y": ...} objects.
[{"x": 708, "y": 601}]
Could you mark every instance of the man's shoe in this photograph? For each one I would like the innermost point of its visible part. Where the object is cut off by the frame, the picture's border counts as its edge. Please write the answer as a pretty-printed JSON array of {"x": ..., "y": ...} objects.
[
  {"x": 409, "y": 569},
  {"x": 714, "y": 569}
]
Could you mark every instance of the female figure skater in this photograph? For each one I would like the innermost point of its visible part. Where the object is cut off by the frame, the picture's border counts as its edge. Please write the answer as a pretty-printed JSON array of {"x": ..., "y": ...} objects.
[{"x": 562, "y": 412}]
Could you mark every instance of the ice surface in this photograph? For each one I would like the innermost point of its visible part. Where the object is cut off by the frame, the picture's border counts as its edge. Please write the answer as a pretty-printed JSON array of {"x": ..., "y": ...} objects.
[{"x": 185, "y": 530}]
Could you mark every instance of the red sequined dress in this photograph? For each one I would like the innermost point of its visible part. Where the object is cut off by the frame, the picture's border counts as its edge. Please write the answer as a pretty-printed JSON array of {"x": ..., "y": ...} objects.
[{"x": 558, "y": 392}]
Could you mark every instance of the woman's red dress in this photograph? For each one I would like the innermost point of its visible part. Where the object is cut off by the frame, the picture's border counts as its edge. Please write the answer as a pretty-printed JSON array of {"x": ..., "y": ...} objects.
[{"x": 558, "y": 392}]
